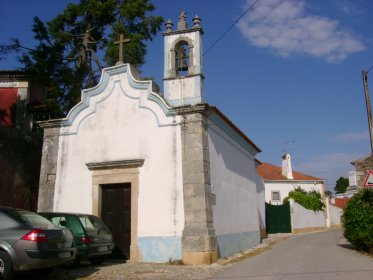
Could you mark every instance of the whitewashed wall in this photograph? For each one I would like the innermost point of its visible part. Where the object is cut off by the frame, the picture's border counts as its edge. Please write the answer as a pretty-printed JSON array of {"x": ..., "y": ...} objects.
[
  {"x": 303, "y": 218},
  {"x": 189, "y": 90},
  {"x": 121, "y": 124},
  {"x": 233, "y": 181},
  {"x": 335, "y": 215},
  {"x": 260, "y": 189},
  {"x": 285, "y": 187}
]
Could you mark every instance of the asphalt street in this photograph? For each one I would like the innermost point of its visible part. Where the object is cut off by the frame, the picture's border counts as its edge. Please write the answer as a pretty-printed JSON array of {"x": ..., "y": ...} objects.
[{"x": 323, "y": 255}]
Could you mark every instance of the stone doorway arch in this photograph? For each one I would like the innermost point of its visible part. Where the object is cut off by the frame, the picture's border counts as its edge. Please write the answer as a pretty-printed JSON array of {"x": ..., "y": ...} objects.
[{"x": 116, "y": 172}]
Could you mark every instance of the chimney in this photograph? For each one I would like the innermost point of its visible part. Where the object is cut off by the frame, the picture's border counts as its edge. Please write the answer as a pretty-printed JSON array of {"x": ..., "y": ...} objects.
[{"x": 286, "y": 167}]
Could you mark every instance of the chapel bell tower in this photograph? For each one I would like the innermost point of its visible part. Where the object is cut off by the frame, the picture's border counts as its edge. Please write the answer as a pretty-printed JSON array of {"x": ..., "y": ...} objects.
[{"x": 183, "y": 78}]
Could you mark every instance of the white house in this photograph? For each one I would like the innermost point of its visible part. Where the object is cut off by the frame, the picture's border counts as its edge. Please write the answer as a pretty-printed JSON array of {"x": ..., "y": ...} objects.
[
  {"x": 280, "y": 180},
  {"x": 172, "y": 176}
]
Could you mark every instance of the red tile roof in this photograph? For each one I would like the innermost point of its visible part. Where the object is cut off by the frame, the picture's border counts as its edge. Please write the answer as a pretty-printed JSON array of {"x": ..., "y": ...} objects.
[
  {"x": 340, "y": 202},
  {"x": 272, "y": 172},
  {"x": 12, "y": 75}
]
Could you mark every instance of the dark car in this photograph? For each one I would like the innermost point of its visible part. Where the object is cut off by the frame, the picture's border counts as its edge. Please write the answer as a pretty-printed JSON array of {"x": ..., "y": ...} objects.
[
  {"x": 92, "y": 237},
  {"x": 28, "y": 241}
]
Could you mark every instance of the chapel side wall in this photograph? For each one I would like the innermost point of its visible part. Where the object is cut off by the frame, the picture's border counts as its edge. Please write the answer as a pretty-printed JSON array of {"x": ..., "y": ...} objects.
[
  {"x": 118, "y": 128},
  {"x": 233, "y": 182}
]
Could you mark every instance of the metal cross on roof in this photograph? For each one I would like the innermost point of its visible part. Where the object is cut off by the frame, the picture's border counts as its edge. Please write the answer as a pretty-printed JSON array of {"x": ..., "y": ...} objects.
[{"x": 121, "y": 43}]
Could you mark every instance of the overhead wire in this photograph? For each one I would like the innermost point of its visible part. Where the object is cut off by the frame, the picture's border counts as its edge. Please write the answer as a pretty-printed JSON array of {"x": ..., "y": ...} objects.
[{"x": 230, "y": 27}]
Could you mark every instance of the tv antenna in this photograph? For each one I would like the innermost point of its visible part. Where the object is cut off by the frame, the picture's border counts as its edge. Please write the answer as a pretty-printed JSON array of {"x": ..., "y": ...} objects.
[{"x": 287, "y": 146}]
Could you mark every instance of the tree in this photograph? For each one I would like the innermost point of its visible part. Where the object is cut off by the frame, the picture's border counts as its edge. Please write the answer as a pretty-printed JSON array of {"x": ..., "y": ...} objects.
[
  {"x": 328, "y": 193},
  {"x": 20, "y": 157},
  {"x": 311, "y": 200},
  {"x": 357, "y": 220},
  {"x": 341, "y": 185},
  {"x": 73, "y": 47}
]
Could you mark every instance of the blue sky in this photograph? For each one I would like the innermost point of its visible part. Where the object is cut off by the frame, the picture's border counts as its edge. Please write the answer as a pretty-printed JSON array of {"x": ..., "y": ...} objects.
[{"x": 288, "y": 74}]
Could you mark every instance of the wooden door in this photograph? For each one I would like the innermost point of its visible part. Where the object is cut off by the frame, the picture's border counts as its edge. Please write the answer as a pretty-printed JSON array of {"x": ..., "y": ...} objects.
[{"x": 116, "y": 214}]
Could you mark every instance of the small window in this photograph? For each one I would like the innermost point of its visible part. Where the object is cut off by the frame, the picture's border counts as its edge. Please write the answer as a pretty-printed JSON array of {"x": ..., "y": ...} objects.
[
  {"x": 91, "y": 222},
  {"x": 276, "y": 196},
  {"x": 87, "y": 222},
  {"x": 59, "y": 221},
  {"x": 6, "y": 221}
]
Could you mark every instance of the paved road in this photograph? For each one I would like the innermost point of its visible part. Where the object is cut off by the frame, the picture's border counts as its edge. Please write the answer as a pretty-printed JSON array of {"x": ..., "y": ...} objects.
[{"x": 318, "y": 256}]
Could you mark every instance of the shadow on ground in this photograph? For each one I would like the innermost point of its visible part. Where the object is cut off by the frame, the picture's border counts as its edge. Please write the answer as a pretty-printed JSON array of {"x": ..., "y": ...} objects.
[
  {"x": 348, "y": 246},
  {"x": 344, "y": 243}
]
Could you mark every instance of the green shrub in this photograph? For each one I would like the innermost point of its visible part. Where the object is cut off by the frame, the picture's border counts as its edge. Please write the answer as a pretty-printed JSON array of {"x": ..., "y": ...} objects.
[
  {"x": 311, "y": 200},
  {"x": 357, "y": 220}
]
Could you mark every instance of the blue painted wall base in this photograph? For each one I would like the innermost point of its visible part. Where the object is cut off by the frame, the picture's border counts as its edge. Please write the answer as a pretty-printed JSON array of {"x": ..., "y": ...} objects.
[
  {"x": 230, "y": 244},
  {"x": 159, "y": 249}
]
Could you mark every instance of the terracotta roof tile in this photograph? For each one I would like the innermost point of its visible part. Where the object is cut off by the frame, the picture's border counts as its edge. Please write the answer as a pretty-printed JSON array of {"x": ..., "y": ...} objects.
[{"x": 272, "y": 172}]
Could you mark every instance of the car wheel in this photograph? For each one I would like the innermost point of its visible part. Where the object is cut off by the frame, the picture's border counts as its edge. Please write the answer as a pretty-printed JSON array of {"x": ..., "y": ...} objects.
[
  {"x": 97, "y": 260},
  {"x": 6, "y": 266}
]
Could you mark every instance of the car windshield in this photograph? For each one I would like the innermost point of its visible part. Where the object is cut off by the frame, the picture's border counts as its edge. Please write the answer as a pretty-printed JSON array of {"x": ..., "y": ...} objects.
[
  {"x": 32, "y": 219},
  {"x": 92, "y": 222}
]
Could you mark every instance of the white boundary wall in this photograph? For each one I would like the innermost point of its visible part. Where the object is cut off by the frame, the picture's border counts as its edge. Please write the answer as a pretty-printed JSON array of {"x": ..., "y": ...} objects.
[
  {"x": 335, "y": 216},
  {"x": 304, "y": 220}
]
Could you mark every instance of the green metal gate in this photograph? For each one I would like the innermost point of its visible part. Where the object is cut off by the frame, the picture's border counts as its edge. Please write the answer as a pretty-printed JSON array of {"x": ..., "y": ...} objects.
[{"x": 278, "y": 218}]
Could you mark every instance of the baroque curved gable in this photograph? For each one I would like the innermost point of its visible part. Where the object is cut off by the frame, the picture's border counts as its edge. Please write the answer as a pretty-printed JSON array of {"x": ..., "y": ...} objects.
[{"x": 125, "y": 78}]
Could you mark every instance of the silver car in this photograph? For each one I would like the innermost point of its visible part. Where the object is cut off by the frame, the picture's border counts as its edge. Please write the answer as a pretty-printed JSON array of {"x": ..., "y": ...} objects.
[{"x": 28, "y": 241}]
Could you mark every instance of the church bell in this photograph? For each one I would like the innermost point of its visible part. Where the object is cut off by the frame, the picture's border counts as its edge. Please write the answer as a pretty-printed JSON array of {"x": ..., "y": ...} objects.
[{"x": 181, "y": 59}]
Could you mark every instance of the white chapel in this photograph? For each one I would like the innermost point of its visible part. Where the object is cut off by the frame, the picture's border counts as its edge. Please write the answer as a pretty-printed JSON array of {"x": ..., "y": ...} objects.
[{"x": 171, "y": 175}]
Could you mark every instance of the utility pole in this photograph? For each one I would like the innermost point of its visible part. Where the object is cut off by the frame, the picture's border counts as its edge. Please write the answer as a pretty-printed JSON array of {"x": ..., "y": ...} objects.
[{"x": 369, "y": 111}]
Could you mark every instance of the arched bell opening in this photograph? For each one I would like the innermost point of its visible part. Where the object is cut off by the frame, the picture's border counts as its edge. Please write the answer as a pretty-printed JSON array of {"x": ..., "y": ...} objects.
[{"x": 182, "y": 58}]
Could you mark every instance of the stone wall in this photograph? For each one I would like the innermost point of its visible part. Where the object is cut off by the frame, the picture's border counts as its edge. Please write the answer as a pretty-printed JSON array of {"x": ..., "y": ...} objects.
[
  {"x": 48, "y": 169},
  {"x": 362, "y": 167},
  {"x": 199, "y": 239}
]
